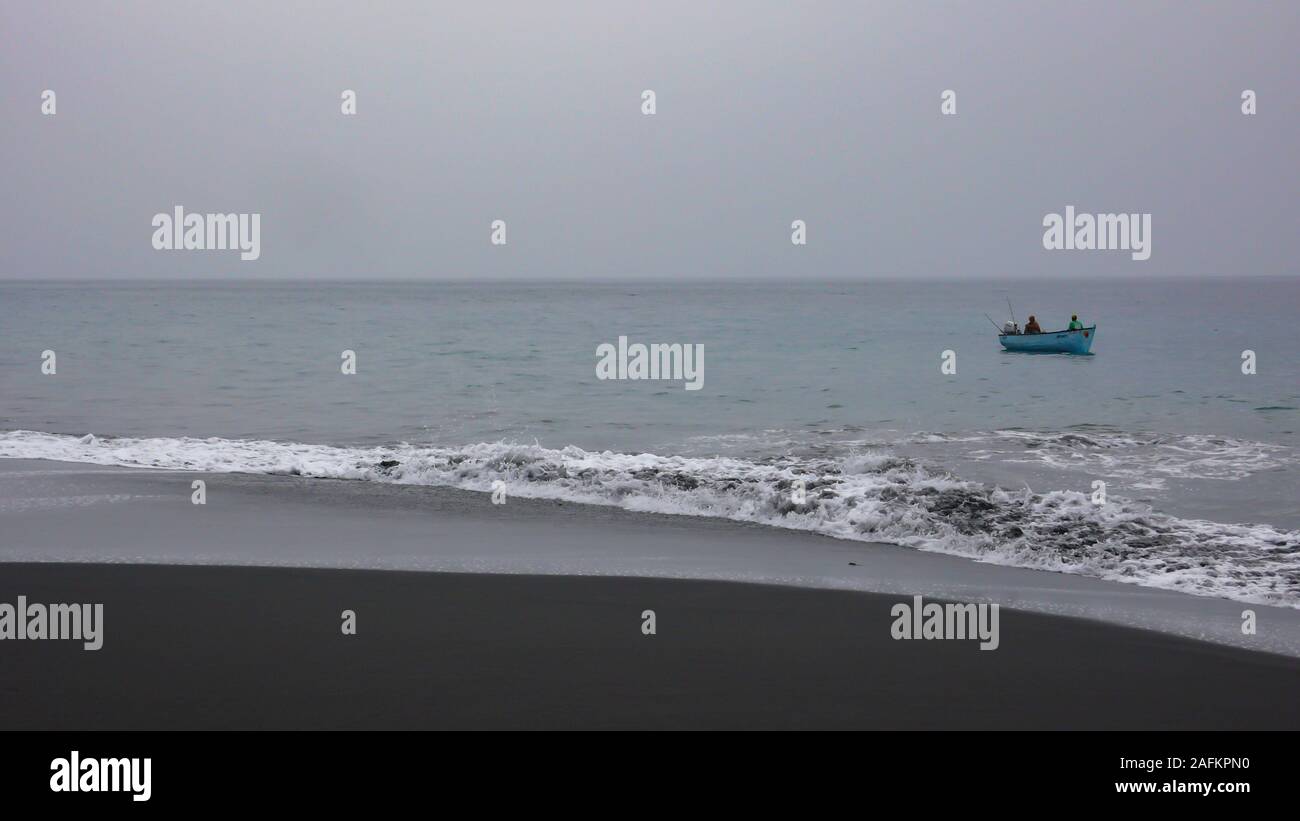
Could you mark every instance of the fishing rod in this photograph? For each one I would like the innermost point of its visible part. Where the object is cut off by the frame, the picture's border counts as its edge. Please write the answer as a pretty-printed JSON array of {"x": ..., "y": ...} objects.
[
  {"x": 995, "y": 325},
  {"x": 1012, "y": 310}
]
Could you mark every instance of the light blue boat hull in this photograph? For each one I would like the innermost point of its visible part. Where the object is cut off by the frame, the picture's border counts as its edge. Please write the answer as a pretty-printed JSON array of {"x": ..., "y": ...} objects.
[{"x": 1079, "y": 341}]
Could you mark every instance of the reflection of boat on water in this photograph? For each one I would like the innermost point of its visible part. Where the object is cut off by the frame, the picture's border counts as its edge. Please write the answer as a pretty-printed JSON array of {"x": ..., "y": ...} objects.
[{"x": 1077, "y": 341}]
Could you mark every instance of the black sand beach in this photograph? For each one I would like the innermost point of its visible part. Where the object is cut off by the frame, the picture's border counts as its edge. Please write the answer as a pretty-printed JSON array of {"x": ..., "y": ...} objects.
[
  {"x": 232, "y": 647},
  {"x": 198, "y": 635}
]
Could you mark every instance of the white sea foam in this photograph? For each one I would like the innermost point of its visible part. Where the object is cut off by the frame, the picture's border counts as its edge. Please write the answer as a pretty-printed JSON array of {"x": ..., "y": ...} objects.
[
  {"x": 870, "y": 494},
  {"x": 1140, "y": 457},
  {"x": 1143, "y": 460}
]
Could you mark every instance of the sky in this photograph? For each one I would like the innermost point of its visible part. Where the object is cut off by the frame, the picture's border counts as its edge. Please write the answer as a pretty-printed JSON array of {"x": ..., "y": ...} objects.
[{"x": 766, "y": 112}]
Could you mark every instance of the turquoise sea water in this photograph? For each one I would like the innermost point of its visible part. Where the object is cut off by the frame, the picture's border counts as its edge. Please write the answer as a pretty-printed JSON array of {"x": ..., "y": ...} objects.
[{"x": 800, "y": 378}]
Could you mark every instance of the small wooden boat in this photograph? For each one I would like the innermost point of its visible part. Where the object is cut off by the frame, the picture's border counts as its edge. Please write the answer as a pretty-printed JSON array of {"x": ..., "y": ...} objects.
[{"x": 1077, "y": 341}]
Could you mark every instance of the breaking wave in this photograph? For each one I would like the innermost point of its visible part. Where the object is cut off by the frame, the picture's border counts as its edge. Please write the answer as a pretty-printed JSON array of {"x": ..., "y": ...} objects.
[
  {"x": 870, "y": 494},
  {"x": 1180, "y": 456}
]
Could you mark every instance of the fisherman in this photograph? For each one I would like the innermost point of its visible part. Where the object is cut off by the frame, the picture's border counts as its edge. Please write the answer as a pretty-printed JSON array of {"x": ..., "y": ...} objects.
[
  {"x": 1075, "y": 324},
  {"x": 1031, "y": 327}
]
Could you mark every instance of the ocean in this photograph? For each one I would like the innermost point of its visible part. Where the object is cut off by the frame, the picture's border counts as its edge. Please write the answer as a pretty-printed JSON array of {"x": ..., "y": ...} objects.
[{"x": 834, "y": 385}]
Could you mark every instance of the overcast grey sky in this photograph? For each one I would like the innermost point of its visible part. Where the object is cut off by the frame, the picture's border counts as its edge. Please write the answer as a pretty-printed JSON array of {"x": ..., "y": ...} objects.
[{"x": 530, "y": 112}]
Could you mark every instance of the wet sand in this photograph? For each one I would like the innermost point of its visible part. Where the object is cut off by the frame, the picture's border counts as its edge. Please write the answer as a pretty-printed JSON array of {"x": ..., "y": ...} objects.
[{"x": 194, "y": 637}]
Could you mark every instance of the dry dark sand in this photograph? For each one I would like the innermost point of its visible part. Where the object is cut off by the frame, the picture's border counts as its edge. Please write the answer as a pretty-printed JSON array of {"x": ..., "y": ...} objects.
[{"x": 239, "y": 647}]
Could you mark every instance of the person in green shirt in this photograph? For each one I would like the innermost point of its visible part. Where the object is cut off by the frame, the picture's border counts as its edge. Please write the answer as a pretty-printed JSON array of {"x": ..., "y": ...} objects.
[{"x": 1075, "y": 324}]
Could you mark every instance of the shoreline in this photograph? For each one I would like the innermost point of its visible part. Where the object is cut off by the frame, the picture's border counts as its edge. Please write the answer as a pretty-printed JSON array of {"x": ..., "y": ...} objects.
[
  {"x": 72, "y": 512},
  {"x": 530, "y": 615}
]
